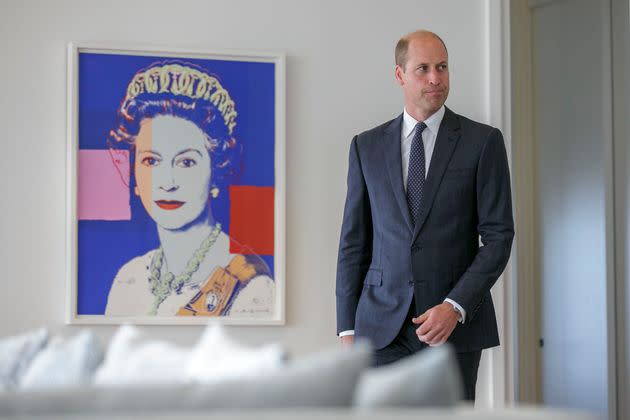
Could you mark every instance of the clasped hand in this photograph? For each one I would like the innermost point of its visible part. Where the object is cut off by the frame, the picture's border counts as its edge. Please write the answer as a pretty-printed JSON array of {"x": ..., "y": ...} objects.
[{"x": 437, "y": 324}]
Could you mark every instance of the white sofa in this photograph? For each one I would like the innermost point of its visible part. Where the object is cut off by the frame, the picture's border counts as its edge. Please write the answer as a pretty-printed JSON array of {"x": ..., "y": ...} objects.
[
  {"x": 463, "y": 413},
  {"x": 142, "y": 379}
]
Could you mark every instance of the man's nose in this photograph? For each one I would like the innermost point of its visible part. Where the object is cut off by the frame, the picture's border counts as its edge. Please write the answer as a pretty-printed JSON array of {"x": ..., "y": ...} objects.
[{"x": 434, "y": 77}]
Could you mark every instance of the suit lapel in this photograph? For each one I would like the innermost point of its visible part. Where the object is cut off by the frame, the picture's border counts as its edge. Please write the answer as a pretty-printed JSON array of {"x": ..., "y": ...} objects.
[
  {"x": 394, "y": 167},
  {"x": 447, "y": 138}
]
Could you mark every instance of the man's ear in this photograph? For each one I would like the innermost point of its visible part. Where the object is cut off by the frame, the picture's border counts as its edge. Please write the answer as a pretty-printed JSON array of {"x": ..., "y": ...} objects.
[
  {"x": 398, "y": 73},
  {"x": 120, "y": 159}
]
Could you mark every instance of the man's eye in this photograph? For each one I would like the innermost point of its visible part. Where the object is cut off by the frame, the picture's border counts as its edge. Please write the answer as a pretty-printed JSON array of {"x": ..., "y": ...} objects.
[
  {"x": 186, "y": 163},
  {"x": 442, "y": 67},
  {"x": 150, "y": 161},
  {"x": 422, "y": 68}
]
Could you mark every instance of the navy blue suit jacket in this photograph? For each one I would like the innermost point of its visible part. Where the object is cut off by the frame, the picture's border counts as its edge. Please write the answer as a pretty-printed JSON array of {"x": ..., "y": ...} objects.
[{"x": 384, "y": 260}]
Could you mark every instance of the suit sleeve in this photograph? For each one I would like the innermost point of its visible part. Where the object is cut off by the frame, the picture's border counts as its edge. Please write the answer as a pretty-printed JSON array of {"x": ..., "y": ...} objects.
[
  {"x": 495, "y": 226},
  {"x": 355, "y": 244}
]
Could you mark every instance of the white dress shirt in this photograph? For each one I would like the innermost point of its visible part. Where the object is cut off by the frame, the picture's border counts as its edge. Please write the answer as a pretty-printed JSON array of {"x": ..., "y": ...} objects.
[{"x": 429, "y": 135}]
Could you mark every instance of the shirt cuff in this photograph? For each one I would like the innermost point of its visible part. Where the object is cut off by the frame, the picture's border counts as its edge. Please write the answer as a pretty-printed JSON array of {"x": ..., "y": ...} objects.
[
  {"x": 457, "y": 306},
  {"x": 346, "y": 332}
]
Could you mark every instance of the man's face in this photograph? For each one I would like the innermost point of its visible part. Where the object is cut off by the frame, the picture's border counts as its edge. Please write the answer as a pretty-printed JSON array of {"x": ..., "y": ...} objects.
[{"x": 424, "y": 80}]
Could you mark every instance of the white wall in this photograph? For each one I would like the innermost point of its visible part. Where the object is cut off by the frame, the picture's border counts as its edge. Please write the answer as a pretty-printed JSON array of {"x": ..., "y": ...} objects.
[
  {"x": 339, "y": 81},
  {"x": 621, "y": 107},
  {"x": 572, "y": 108}
]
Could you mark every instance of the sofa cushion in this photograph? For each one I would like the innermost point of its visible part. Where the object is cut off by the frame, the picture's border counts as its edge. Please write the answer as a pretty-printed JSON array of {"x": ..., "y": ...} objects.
[
  {"x": 133, "y": 358},
  {"x": 70, "y": 362},
  {"x": 216, "y": 357},
  {"x": 17, "y": 353},
  {"x": 325, "y": 379},
  {"x": 429, "y": 378}
]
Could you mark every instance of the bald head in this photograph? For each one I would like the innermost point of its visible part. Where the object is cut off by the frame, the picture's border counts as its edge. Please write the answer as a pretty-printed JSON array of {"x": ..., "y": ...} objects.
[{"x": 402, "y": 47}]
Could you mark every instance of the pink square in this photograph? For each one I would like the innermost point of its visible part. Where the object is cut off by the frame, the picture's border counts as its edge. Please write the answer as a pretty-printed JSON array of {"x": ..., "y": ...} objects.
[{"x": 103, "y": 185}]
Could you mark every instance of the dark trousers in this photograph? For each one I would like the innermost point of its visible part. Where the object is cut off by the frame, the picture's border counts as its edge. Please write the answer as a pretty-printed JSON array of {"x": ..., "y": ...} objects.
[{"x": 407, "y": 343}]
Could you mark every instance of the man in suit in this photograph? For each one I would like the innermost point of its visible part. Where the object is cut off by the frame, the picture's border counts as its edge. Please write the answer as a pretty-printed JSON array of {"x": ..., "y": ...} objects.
[{"x": 422, "y": 189}]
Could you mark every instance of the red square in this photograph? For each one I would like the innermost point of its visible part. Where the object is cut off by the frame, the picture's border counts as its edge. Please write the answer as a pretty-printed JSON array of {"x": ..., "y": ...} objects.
[{"x": 251, "y": 220}]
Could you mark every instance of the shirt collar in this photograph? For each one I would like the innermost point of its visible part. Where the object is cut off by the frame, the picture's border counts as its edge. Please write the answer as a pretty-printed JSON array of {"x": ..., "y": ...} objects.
[{"x": 433, "y": 122}]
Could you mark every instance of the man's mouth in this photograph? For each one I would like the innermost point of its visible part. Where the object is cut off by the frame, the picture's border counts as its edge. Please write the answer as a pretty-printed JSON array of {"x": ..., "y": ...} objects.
[{"x": 169, "y": 204}]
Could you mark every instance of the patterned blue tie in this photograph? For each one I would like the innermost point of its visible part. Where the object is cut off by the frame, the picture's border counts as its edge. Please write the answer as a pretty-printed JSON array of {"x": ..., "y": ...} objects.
[{"x": 415, "y": 175}]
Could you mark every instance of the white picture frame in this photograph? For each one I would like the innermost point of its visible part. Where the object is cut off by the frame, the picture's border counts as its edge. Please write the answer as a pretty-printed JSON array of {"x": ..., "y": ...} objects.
[{"x": 95, "y": 215}]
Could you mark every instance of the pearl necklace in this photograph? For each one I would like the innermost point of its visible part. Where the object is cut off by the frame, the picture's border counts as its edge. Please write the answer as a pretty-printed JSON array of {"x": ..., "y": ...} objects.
[{"x": 162, "y": 287}]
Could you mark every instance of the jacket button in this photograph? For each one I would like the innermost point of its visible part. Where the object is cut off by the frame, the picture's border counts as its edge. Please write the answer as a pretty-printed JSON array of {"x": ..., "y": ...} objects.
[{"x": 410, "y": 282}]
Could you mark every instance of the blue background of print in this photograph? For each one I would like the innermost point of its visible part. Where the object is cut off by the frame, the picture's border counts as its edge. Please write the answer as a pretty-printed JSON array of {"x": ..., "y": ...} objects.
[{"x": 104, "y": 246}]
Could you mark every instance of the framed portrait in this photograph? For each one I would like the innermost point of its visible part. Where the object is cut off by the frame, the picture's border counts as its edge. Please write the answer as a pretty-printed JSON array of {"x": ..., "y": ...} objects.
[{"x": 175, "y": 186}]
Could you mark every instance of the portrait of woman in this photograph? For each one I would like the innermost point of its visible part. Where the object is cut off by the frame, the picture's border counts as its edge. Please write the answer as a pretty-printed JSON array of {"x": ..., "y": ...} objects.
[{"x": 176, "y": 123}]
